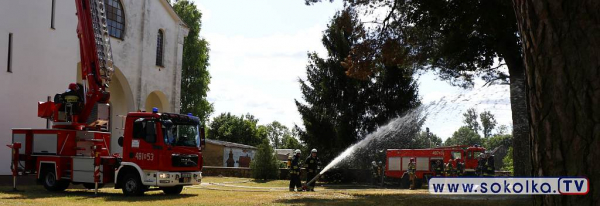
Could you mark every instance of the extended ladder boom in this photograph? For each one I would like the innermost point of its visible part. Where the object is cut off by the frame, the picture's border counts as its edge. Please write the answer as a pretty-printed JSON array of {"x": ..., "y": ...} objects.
[{"x": 96, "y": 54}]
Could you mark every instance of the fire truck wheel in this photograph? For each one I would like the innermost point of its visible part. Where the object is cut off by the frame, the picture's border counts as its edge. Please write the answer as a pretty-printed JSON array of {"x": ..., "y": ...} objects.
[
  {"x": 52, "y": 184},
  {"x": 91, "y": 186},
  {"x": 132, "y": 185},
  {"x": 172, "y": 190}
]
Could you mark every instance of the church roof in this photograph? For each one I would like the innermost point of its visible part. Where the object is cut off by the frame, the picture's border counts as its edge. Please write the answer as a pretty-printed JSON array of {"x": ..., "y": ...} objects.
[{"x": 229, "y": 144}]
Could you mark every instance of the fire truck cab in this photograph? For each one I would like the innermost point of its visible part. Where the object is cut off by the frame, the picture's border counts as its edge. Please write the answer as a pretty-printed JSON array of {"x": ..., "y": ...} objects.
[
  {"x": 397, "y": 161},
  {"x": 160, "y": 150},
  {"x": 164, "y": 149}
]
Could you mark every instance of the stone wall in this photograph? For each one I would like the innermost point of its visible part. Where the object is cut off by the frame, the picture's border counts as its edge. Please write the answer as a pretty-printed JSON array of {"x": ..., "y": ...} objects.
[{"x": 213, "y": 155}]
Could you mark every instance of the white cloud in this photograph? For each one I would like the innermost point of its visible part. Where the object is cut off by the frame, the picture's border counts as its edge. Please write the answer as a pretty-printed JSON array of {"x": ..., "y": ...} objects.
[
  {"x": 206, "y": 14},
  {"x": 260, "y": 75},
  {"x": 272, "y": 45}
]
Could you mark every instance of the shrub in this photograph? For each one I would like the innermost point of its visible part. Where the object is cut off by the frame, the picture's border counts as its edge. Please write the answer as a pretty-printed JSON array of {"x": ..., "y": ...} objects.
[
  {"x": 508, "y": 161},
  {"x": 265, "y": 165}
]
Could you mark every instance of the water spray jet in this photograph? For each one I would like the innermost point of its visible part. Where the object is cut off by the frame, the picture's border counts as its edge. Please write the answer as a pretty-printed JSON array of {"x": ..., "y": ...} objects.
[{"x": 404, "y": 125}]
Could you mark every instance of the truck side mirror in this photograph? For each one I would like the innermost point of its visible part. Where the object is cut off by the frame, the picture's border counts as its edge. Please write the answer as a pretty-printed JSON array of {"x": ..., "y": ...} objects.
[
  {"x": 150, "y": 132},
  {"x": 202, "y": 138},
  {"x": 120, "y": 141}
]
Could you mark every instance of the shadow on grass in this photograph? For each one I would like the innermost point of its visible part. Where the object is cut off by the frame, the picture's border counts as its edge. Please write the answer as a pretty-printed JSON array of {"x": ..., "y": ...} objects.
[
  {"x": 262, "y": 181},
  {"x": 269, "y": 183},
  {"x": 347, "y": 186},
  {"x": 401, "y": 199},
  {"x": 32, "y": 192}
]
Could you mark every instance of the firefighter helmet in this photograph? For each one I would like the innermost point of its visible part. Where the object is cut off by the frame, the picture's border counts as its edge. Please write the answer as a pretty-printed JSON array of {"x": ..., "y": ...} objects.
[
  {"x": 412, "y": 159},
  {"x": 313, "y": 151},
  {"x": 73, "y": 86},
  {"x": 297, "y": 151}
]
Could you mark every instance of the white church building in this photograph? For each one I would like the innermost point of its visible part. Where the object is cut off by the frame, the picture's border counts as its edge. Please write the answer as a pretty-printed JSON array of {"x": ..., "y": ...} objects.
[{"x": 39, "y": 57}]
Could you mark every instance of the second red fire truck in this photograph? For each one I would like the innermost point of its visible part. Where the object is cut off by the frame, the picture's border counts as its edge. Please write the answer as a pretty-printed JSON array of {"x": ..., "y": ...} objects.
[{"x": 397, "y": 161}]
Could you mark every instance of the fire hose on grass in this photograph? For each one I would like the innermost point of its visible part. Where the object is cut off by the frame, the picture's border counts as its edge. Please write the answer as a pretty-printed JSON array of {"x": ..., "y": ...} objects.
[{"x": 305, "y": 185}]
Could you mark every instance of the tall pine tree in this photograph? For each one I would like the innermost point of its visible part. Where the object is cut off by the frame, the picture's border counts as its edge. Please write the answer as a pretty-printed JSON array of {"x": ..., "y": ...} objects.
[{"x": 338, "y": 110}]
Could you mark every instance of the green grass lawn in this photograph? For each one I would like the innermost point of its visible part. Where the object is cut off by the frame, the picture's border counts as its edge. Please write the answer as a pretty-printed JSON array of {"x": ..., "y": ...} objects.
[{"x": 227, "y": 192}]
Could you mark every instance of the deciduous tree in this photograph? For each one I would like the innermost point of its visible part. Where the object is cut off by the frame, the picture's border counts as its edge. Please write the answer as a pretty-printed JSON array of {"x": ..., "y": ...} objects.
[
  {"x": 276, "y": 132},
  {"x": 424, "y": 140},
  {"x": 194, "y": 70},
  {"x": 488, "y": 122},
  {"x": 470, "y": 120},
  {"x": 463, "y": 136},
  {"x": 242, "y": 129},
  {"x": 290, "y": 142}
]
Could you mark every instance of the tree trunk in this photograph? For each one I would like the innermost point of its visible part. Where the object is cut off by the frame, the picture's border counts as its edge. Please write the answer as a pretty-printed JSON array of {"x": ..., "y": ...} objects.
[
  {"x": 518, "y": 105},
  {"x": 561, "y": 47},
  {"x": 509, "y": 50}
]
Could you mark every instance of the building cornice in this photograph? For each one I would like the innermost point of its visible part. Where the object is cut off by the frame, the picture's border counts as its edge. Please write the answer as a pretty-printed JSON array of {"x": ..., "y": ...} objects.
[{"x": 172, "y": 13}]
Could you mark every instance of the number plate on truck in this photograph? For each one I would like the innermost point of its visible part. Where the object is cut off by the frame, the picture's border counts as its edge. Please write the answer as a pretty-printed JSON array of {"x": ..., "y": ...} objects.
[{"x": 185, "y": 180}]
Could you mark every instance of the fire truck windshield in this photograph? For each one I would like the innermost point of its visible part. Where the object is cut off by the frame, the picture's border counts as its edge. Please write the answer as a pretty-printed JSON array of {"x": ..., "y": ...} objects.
[{"x": 181, "y": 134}]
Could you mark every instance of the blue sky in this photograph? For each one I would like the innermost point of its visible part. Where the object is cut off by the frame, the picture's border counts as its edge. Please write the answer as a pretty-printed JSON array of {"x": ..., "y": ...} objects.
[{"x": 258, "y": 52}]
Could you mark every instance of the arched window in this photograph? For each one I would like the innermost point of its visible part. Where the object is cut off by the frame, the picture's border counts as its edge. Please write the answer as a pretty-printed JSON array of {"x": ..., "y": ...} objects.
[
  {"x": 160, "y": 48},
  {"x": 115, "y": 18}
]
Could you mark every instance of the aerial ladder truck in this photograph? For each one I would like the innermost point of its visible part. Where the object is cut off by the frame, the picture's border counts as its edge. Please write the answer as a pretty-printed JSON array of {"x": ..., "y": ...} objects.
[{"x": 159, "y": 150}]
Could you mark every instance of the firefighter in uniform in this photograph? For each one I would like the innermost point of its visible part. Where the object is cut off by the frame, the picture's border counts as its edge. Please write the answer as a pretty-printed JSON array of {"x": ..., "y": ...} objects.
[
  {"x": 289, "y": 160},
  {"x": 480, "y": 163},
  {"x": 313, "y": 165},
  {"x": 72, "y": 100},
  {"x": 295, "y": 172},
  {"x": 460, "y": 167},
  {"x": 439, "y": 168},
  {"x": 412, "y": 168},
  {"x": 454, "y": 168},
  {"x": 450, "y": 168},
  {"x": 374, "y": 172},
  {"x": 380, "y": 171}
]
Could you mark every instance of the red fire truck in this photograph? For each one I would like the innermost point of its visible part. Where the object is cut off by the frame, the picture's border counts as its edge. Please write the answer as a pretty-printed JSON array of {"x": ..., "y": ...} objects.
[
  {"x": 159, "y": 150},
  {"x": 397, "y": 161}
]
